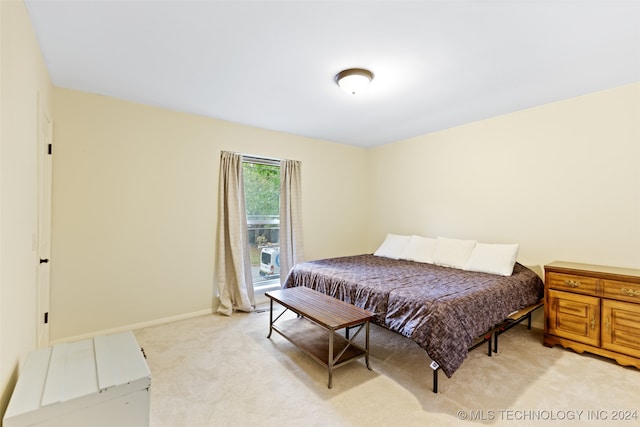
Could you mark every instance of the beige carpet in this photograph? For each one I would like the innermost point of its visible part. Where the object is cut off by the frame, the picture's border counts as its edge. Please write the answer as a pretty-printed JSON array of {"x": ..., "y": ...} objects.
[{"x": 223, "y": 371}]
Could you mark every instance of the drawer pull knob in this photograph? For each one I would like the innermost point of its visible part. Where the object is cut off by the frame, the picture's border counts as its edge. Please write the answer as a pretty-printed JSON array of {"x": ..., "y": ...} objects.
[
  {"x": 630, "y": 292},
  {"x": 573, "y": 283},
  {"x": 593, "y": 323},
  {"x": 607, "y": 324}
]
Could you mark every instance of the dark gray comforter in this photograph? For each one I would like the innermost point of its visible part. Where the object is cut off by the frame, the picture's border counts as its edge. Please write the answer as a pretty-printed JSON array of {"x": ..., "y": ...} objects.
[{"x": 444, "y": 310}]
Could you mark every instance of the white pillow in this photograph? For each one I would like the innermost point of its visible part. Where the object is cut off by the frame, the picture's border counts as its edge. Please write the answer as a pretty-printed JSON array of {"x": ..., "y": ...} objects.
[
  {"x": 392, "y": 246},
  {"x": 493, "y": 258},
  {"x": 453, "y": 252},
  {"x": 420, "y": 249}
]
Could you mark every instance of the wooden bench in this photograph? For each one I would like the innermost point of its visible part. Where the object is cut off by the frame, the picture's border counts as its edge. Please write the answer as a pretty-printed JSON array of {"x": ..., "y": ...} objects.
[{"x": 329, "y": 315}]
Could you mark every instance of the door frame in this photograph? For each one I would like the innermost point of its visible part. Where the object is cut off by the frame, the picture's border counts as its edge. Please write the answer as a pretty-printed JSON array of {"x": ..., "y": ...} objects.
[{"x": 43, "y": 238}]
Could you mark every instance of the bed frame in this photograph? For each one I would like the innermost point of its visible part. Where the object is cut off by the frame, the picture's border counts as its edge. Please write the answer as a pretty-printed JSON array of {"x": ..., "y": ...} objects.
[{"x": 492, "y": 335}]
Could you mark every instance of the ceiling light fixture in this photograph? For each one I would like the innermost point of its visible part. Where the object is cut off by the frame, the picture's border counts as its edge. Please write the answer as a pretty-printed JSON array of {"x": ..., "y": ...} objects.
[{"x": 354, "y": 80}]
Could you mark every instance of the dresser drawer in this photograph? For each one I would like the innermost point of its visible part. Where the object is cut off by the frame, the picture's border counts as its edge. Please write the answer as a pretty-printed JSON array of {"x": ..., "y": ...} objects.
[
  {"x": 572, "y": 283},
  {"x": 624, "y": 291}
]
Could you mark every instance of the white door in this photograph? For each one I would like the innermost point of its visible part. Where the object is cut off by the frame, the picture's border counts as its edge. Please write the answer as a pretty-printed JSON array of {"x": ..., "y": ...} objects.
[{"x": 45, "y": 138}]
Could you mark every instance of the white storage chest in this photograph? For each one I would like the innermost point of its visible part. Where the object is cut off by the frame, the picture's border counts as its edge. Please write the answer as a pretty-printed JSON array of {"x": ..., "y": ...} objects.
[{"x": 104, "y": 382}]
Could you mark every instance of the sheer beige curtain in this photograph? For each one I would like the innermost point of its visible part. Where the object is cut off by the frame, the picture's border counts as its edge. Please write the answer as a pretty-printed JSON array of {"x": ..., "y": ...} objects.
[
  {"x": 291, "y": 244},
  {"x": 233, "y": 265}
]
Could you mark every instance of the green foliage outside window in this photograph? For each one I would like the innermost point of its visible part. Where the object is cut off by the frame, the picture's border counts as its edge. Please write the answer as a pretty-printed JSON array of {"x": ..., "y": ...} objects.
[{"x": 262, "y": 189}]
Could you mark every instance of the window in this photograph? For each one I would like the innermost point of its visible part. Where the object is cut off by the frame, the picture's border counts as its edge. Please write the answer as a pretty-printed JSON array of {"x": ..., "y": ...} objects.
[{"x": 262, "y": 200}]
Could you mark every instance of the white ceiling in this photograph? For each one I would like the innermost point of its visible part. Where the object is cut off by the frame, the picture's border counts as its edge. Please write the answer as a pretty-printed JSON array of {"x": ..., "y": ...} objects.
[{"x": 271, "y": 64}]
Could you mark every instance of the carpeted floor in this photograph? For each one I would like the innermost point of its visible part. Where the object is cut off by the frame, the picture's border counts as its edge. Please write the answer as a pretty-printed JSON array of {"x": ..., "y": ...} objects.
[{"x": 223, "y": 371}]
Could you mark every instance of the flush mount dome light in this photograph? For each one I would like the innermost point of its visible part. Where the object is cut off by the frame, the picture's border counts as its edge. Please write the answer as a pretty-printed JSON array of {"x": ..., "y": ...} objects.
[{"x": 354, "y": 80}]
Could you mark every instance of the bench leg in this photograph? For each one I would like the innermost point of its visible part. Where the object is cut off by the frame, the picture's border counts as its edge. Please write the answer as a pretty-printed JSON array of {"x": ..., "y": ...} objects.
[
  {"x": 270, "y": 317},
  {"x": 330, "y": 359},
  {"x": 366, "y": 347}
]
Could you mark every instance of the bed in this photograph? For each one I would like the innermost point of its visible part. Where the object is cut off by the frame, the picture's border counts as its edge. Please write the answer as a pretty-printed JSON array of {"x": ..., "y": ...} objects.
[{"x": 443, "y": 309}]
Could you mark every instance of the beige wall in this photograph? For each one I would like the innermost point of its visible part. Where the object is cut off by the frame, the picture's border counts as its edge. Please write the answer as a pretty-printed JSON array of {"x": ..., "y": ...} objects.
[
  {"x": 135, "y": 201},
  {"x": 135, "y": 192},
  {"x": 23, "y": 79},
  {"x": 562, "y": 180}
]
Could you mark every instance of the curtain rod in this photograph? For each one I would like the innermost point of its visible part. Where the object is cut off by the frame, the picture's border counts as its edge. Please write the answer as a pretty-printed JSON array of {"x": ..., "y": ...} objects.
[
  {"x": 255, "y": 157},
  {"x": 258, "y": 158}
]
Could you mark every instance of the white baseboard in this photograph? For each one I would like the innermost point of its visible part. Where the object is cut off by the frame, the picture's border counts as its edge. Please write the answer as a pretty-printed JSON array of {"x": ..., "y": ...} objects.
[{"x": 136, "y": 326}]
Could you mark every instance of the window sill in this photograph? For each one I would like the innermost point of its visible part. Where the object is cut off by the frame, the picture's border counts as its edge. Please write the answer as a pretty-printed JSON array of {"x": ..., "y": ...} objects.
[{"x": 259, "y": 291}]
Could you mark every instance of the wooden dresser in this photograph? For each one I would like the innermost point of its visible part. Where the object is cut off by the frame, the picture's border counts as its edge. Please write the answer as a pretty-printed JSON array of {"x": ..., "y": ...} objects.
[{"x": 593, "y": 308}]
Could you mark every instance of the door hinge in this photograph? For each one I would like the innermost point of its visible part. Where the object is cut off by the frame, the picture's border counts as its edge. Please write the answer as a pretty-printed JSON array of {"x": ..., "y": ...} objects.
[
  {"x": 46, "y": 317},
  {"x": 49, "y": 149}
]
